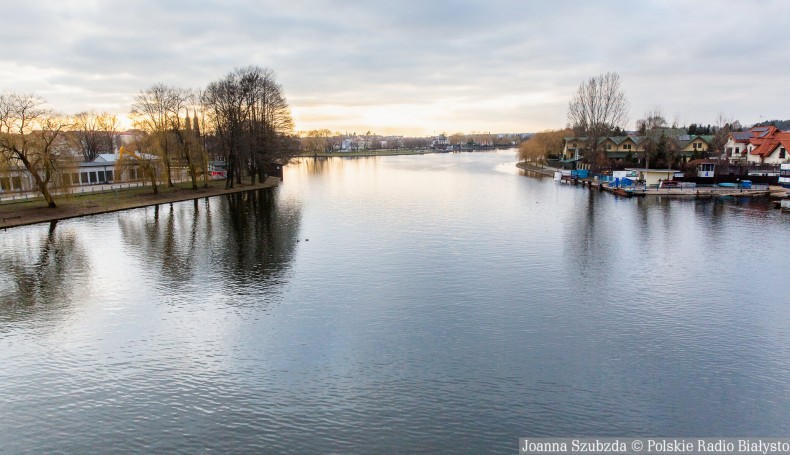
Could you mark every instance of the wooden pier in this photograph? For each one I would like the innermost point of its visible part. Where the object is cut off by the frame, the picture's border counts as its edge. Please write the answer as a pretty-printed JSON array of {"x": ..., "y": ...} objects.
[
  {"x": 703, "y": 192},
  {"x": 774, "y": 191}
]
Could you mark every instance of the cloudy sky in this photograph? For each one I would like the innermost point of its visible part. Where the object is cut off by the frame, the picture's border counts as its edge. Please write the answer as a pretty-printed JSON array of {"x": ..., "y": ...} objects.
[{"x": 411, "y": 67}]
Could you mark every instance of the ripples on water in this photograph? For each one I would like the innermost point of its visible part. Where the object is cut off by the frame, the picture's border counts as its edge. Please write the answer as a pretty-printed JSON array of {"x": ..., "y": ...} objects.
[{"x": 423, "y": 304}]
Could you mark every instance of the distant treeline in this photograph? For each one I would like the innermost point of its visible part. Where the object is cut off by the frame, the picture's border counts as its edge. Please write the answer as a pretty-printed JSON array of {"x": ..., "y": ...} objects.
[{"x": 782, "y": 125}]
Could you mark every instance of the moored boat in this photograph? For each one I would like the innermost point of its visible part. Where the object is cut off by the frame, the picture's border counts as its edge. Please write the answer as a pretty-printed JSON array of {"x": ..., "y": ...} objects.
[{"x": 622, "y": 192}]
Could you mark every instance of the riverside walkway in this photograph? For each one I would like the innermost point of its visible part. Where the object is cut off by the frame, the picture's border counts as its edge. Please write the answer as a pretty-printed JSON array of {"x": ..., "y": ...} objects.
[{"x": 21, "y": 213}]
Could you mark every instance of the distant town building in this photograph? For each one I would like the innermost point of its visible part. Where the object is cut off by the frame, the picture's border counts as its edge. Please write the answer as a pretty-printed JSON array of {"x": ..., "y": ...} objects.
[{"x": 440, "y": 142}]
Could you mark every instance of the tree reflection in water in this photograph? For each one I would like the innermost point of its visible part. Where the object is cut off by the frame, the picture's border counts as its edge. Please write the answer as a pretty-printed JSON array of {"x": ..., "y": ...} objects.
[
  {"x": 215, "y": 242},
  {"x": 49, "y": 272}
]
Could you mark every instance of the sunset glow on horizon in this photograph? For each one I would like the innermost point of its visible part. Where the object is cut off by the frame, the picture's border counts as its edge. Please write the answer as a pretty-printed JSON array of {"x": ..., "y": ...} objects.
[{"x": 409, "y": 68}]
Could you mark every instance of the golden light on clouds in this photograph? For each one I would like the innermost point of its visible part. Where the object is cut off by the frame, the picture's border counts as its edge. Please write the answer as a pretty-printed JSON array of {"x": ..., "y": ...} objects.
[
  {"x": 502, "y": 114},
  {"x": 405, "y": 119},
  {"x": 410, "y": 68}
]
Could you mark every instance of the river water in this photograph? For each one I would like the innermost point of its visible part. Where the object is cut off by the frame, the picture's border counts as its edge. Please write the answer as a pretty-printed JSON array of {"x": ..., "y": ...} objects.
[{"x": 441, "y": 303}]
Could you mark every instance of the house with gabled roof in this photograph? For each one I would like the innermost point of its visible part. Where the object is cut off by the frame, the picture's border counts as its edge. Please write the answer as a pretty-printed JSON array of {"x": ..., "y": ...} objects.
[
  {"x": 683, "y": 145},
  {"x": 106, "y": 158},
  {"x": 740, "y": 144},
  {"x": 690, "y": 145},
  {"x": 762, "y": 132},
  {"x": 737, "y": 146},
  {"x": 621, "y": 146},
  {"x": 771, "y": 150},
  {"x": 572, "y": 148}
]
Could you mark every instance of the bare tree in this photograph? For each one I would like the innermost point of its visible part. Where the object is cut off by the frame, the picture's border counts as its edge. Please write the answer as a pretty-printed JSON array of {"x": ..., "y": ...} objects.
[
  {"x": 156, "y": 111},
  {"x": 316, "y": 141},
  {"x": 269, "y": 121},
  {"x": 222, "y": 101},
  {"x": 457, "y": 139},
  {"x": 541, "y": 145},
  {"x": 654, "y": 118},
  {"x": 200, "y": 145},
  {"x": 724, "y": 126},
  {"x": 652, "y": 128},
  {"x": 95, "y": 133},
  {"x": 31, "y": 135},
  {"x": 416, "y": 142},
  {"x": 139, "y": 165},
  {"x": 598, "y": 106},
  {"x": 184, "y": 135},
  {"x": 194, "y": 153},
  {"x": 252, "y": 120}
]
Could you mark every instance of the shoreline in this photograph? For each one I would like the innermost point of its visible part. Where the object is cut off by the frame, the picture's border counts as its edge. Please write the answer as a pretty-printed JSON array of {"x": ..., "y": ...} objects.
[
  {"x": 702, "y": 192},
  {"x": 393, "y": 152},
  {"x": 75, "y": 206},
  {"x": 547, "y": 171},
  {"x": 368, "y": 153}
]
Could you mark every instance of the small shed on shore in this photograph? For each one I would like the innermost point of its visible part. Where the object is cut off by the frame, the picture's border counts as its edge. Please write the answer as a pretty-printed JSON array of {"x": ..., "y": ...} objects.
[
  {"x": 652, "y": 176},
  {"x": 704, "y": 168}
]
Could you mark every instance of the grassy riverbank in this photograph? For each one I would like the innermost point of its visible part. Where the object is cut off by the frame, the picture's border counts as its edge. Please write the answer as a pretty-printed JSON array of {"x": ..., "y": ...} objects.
[{"x": 70, "y": 206}]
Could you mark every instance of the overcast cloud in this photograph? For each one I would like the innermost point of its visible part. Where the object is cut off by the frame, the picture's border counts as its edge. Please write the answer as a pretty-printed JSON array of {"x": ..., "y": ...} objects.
[{"x": 411, "y": 67}]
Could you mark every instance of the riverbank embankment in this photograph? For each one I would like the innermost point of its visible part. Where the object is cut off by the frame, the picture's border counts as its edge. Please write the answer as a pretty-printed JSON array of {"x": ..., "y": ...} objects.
[
  {"x": 699, "y": 192},
  {"x": 774, "y": 191},
  {"x": 13, "y": 214},
  {"x": 548, "y": 171}
]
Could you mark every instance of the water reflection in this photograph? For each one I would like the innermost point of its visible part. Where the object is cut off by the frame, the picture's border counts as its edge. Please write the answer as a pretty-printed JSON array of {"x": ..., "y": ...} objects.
[
  {"x": 235, "y": 239},
  {"x": 50, "y": 270},
  {"x": 261, "y": 235},
  {"x": 439, "y": 301},
  {"x": 167, "y": 236},
  {"x": 315, "y": 166}
]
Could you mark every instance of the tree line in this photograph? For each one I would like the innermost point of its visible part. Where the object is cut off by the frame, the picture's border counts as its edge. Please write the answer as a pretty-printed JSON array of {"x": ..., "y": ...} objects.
[{"x": 243, "y": 119}]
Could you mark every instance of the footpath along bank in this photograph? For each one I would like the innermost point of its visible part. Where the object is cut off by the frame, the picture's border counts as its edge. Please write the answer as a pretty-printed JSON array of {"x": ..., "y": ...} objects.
[{"x": 14, "y": 214}]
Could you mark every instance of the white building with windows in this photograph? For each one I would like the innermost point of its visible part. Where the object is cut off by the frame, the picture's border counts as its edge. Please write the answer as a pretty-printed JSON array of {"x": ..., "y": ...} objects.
[{"x": 773, "y": 150}]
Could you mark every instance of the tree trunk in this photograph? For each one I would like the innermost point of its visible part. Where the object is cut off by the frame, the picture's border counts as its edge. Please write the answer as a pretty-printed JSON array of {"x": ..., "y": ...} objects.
[
  {"x": 204, "y": 164},
  {"x": 48, "y": 197},
  {"x": 41, "y": 183},
  {"x": 153, "y": 182},
  {"x": 230, "y": 170},
  {"x": 42, "y": 186},
  {"x": 168, "y": 167},
  {"x": 192, "y": 172}
]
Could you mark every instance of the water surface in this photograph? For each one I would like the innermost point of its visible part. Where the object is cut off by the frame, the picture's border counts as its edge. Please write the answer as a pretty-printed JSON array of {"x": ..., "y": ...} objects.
[{"x": 417, "y": 304}]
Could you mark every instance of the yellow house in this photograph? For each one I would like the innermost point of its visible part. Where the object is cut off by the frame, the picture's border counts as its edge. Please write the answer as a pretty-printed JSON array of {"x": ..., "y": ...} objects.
[
  {"x": 617, "y": 147},
  {"x": 691, "y": 144},
  {"x": 621, "y": 146},
  {"x": 572, "y": 148}
]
